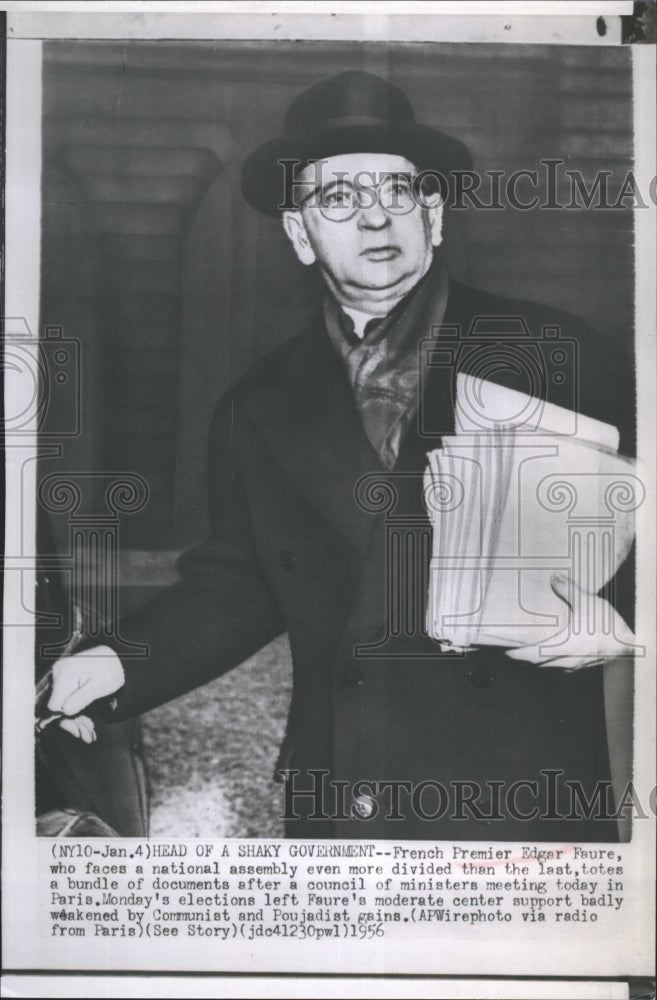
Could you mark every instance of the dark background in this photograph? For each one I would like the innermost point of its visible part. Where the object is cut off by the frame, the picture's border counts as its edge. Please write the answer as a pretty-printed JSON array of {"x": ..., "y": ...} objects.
[{"x": 174, "y": 287}]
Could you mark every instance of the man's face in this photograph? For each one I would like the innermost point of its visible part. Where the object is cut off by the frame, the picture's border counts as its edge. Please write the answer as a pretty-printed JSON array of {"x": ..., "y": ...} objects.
[{"x": 360, "y": 221}]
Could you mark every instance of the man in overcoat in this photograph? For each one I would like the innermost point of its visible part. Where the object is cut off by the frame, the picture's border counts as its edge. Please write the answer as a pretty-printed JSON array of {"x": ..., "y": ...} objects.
[{"x": 312, "y": 457}]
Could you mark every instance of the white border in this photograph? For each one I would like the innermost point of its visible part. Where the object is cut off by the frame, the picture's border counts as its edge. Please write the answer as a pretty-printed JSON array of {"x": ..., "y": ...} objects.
[
  {"x": 473, "y": 8},
  {"x": 293, "y": 987},
  {"x": 23, "y": 208},
  {"x": 22, "y": 279},
  {"x": 326, "y": 22}
]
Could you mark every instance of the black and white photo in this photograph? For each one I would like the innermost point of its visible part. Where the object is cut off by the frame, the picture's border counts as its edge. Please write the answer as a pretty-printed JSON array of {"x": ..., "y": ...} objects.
[{"x": 332, "y": 448}]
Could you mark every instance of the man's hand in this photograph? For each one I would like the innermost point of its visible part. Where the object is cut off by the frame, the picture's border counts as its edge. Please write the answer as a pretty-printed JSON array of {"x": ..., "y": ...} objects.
[
  {"x": 79, "y": 680},
  {"x": 595, "y": 632},
  {"x": 80, "y": 726}
]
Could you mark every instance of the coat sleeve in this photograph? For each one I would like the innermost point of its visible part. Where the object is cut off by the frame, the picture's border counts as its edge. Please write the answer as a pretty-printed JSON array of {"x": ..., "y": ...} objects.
[{"x": 221, "y": 611}]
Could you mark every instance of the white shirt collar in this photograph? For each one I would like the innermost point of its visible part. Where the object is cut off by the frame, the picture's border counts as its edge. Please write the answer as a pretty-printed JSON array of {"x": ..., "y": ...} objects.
[{"x": 360, "y": 320}]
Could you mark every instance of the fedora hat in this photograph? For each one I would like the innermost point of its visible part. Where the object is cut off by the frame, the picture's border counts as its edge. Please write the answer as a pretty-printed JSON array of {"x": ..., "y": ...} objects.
[{"x": 353, "y": 112}]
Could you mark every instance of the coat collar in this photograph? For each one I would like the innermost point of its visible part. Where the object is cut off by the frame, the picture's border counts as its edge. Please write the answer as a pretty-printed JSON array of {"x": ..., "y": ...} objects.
[{"x": 309, "y": 421}]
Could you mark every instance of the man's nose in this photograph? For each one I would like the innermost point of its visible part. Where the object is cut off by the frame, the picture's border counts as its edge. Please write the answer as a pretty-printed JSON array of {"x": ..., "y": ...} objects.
[{"x": 373, "y": 216}]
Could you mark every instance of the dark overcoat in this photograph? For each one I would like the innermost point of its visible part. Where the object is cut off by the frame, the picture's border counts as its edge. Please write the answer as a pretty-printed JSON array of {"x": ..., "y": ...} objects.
[{"x": 301, "y": 543}]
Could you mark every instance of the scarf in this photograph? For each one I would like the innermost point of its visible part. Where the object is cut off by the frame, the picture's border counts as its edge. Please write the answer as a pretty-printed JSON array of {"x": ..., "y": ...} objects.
[{"x": 383, "y": 367}]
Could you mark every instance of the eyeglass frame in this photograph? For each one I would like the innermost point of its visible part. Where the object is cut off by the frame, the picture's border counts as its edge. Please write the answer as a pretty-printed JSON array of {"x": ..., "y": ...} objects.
[{"x": 359, "y": 190}]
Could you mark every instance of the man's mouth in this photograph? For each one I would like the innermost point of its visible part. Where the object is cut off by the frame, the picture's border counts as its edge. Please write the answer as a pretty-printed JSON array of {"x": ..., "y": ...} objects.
[{"x": 386, "y": 252}]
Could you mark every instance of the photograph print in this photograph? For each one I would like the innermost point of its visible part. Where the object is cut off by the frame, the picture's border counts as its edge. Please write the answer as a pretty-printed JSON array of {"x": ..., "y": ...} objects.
[{"x": 336, "y": 484}]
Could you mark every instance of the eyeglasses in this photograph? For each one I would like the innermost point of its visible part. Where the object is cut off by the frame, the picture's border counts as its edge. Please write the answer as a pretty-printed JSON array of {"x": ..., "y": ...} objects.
[{"x": 340, "y": 200}]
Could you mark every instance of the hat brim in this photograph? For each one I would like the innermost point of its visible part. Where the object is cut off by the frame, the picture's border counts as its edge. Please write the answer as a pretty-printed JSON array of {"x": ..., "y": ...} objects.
[{"x": 266, "y": 183}]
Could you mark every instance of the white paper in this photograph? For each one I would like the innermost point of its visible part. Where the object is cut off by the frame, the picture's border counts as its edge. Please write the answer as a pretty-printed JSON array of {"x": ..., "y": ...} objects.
[{"x": 67, "y": 86}]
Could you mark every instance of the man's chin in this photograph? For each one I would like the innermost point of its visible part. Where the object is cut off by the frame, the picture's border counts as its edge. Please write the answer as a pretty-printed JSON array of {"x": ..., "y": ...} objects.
[
  {"x": 376, "y": 286},
  {"x": 384, "y": 281}
]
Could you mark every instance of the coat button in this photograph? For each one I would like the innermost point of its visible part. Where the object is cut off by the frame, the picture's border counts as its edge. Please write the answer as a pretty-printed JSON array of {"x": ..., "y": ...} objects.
[
  {"x": 351, "y": 677},
  {"x": 479, "y": 677},
  {"x": 288, "y": 560}
]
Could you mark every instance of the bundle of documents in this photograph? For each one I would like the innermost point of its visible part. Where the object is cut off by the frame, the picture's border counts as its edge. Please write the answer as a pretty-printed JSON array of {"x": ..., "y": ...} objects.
[{"x": 523, "y": 491}]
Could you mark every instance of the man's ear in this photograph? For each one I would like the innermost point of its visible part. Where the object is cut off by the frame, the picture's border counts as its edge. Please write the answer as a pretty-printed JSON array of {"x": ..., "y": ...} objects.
[
  {"x": 435, "y": 214},
  {"x": 295, "y": 230}
]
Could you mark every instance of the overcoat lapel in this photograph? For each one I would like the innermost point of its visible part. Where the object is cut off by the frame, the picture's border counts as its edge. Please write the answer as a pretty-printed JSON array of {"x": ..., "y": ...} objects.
[
  {"x": 311, "y": 426},
  {"x": 433, "y": 419}
]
